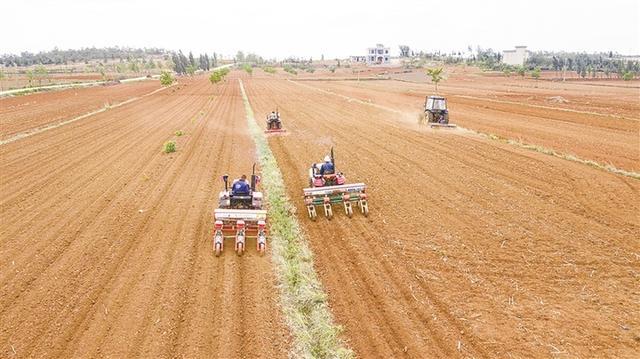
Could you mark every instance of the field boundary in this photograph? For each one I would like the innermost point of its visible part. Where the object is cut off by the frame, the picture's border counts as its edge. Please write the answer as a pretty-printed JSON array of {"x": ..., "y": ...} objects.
[
  {"x": 304, "y": 301},
  {"x": 516, "y": 143},
  {"x": 57, "y": 87},
  {"x": 38, "y": 130}
]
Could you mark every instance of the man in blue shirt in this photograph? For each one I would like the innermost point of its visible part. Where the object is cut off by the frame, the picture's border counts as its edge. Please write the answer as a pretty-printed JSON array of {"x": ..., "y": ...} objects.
[
  {"x": 327, "y": 167},
  {"x": 240, "y": 187}
]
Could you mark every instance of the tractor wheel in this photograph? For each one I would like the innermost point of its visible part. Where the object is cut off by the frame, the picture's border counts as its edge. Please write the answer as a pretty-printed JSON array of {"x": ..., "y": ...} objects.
[
  {"x": 430, "y": 117},
  {"x": 446, "y": 118},
  {"x": 218, "y": 249},
  {"x": 261, "y": 249},
  {"x": 239, "y": 249}
]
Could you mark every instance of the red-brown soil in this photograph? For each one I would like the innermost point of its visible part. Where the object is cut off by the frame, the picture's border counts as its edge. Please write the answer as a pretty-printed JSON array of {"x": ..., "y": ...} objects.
[
  {"x": 599, "y": 123},
  {"x": 106, "y": 241},
  {"x": 22, "y": 113},
  {"x": 474, "y": 248}
]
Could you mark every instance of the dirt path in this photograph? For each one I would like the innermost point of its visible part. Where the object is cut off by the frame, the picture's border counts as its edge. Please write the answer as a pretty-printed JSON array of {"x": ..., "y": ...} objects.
[
  {"x": 106, "y": 247},
  {"x": 580, "y": 128},
  {"x": 473, "y": 247}
]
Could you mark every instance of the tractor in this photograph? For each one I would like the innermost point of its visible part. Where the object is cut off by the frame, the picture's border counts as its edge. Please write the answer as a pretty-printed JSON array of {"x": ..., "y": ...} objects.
[
  {"x": 274, "y": 123},
  {"x": 328, "y": 187},
  {"x": 240, "y": 215},
  {"x": 436, "y": 113}
]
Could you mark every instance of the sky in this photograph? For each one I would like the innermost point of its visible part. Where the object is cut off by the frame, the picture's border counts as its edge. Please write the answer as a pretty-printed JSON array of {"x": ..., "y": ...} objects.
[{"x": 333, "y": 28}]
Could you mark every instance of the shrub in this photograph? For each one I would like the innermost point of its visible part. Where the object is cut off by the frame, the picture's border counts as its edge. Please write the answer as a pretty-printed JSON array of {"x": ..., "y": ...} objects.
[
  {"x": 169, "y": 146},
  {"x": 179, "y": 133},
  {"x": 248, "y": 69},
  {"x": 535, "y": 73},
  {"x": 166, "y": 79},
  {"x": 218, "y": 75},
  {"x": 215, "y": 77},
  {"x": 269, "y": 69},
  {"x": 290, "y": 70},
  {"x": 628, "y": 76}
]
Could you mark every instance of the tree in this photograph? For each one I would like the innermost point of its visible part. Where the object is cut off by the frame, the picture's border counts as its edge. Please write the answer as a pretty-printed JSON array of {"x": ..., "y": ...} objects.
[
  {"x": 150, "y": 65},
  {"x": 2, "y": 77},
  {"x": 166, "y": 79},
  {"x": 215, "y": 60},
  {"x": 134, "y": 67},
  {"x": 191, "y": 70},
  {"x": 29, "y": 74},
  {"x": 177, "y": 64},
  {"x": 192, "y": 61},
  {"x": 536, "y": 74},
  {"x": 404, "y": 51},
  {"x": 41, "y": 72},
  {"x": 207, "y": 63},
  {"x": 436, "y": 76},
  {"x": 240, "y": 56},
  {"x": 184, "y": 62},
  {"x": 102, "y": 72}
]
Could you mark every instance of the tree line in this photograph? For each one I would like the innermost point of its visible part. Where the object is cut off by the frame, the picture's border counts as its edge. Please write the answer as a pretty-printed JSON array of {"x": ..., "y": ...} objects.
[
  {"x": 187, "y": 65},
  {"x": 83, "y": 55},
  {"x": 585, "y": 65}
]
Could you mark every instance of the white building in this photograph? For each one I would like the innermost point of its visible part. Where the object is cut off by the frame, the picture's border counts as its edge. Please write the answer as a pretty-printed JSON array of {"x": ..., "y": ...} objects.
[
  {"x": 378, "y": 55},
  {"x": 515, "y": 57}
]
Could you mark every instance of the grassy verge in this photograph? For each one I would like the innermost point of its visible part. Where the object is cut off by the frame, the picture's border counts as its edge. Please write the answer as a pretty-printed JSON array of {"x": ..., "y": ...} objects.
[
  {"x": 568, "y": 157},
  {"x": 304, "y": 302}
]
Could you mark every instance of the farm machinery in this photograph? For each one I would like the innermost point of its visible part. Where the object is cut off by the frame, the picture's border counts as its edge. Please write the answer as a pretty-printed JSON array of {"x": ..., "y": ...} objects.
[
  {"x": 328, "y": 187},
  {"x": 274, "y": 123},
  {"x": 436, "y": 113},
  {"x": 240, "y": 215}
]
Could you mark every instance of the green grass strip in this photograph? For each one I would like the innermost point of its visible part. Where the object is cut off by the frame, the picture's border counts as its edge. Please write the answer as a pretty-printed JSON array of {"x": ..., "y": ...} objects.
[{"x": 304, "y": 302}]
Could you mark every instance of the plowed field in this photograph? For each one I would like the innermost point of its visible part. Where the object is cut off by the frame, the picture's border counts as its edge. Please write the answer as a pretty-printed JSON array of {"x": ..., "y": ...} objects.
[
  {"x": 106, "y": 241},
  {"x": 599, "y": 123},
  {"x": 23, "y": 113},
  {"x": 473, "y": 247}
]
